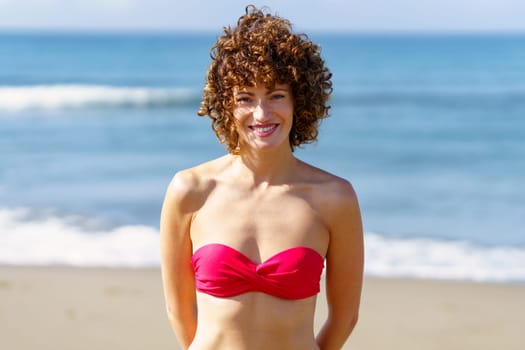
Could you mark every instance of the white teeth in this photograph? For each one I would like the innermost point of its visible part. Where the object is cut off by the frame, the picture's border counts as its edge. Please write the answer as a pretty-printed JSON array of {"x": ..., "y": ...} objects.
[{"x": 264, "y": 129}]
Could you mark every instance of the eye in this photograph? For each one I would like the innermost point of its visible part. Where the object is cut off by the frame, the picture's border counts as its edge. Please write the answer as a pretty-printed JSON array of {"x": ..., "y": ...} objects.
[
  {"x": 278, "y": 96},
  {"x": 242, "y": 99}
]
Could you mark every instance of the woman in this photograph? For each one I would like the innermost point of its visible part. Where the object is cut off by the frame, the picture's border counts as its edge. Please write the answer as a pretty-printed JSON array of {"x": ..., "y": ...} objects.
[{"x": 244, "y": 237}]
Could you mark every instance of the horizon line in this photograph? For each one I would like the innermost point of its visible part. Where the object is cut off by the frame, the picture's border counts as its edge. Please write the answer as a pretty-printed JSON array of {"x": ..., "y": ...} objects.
[{"x": 193, "y": 31}]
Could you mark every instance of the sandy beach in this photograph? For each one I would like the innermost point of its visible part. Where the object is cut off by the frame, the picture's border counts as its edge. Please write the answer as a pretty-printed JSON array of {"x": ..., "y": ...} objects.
[{"x": 94, "y": 308}]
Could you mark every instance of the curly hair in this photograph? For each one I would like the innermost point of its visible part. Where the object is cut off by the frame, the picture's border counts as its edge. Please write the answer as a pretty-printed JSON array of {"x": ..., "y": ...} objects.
[{"x": 262, "y": 48}]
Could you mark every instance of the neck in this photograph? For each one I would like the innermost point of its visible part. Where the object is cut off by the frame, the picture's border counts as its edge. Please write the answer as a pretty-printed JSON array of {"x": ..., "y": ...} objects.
[{"x": 267, "y": 168}]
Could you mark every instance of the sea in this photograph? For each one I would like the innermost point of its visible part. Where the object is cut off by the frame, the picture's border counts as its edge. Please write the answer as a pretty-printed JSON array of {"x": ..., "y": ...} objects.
[{"x": 429, "y": 128}]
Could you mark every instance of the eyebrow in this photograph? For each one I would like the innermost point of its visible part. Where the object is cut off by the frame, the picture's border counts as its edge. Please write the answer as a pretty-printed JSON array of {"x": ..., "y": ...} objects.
[
  {"x": 279, "y": 89},
  {"x": 267, "y": 93}
]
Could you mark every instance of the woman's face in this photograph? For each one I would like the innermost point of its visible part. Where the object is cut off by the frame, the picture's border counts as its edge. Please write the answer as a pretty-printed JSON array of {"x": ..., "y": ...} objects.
[{"x": 263, "y": 116}]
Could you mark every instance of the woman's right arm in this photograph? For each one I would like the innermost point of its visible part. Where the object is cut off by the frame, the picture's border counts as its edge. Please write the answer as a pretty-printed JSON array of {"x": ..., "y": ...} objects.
[{"x": 176, "y": 251}]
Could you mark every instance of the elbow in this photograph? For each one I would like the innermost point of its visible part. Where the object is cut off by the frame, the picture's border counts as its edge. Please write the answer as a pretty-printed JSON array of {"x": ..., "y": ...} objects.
[
  {"x": 179, "y": 317},
  {"x": 352, "y": 323},
  {"x": 170, "y": 313},
  {"x": 347, "y": 325},
  {"x": 336, "y": 331}
]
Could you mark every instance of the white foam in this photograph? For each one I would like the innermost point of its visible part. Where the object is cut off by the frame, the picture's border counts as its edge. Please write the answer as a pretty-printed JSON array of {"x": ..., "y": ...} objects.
[
  {"x": 54, "y": 240},
  {"x": 433, "y": 259},
  {"x": 26, "y": 238},
  {"x": 17, "y": 98}
]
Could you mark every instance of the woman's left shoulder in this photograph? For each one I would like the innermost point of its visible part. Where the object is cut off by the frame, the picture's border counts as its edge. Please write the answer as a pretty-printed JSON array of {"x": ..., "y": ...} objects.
[
  {"x": 338, "y": 206},
  {"x": 330, "y": 188}
]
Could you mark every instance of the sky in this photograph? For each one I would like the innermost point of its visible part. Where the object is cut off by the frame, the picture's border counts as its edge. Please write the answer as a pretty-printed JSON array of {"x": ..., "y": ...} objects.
[{"x": 212, "y": 15}]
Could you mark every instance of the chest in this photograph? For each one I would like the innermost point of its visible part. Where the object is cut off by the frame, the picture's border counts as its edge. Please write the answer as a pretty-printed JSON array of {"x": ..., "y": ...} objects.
[{"x": 282, "y": 217}]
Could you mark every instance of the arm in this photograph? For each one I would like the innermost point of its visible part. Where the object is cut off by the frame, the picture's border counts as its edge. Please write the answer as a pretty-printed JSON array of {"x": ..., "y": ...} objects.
[
  {"x": 344, "y": 269},
  {"x": 176, "y": 250}
]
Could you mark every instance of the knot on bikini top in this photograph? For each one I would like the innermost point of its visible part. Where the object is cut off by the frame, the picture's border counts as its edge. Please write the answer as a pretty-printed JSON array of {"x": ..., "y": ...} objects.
[{"x": 223, "y": 271}]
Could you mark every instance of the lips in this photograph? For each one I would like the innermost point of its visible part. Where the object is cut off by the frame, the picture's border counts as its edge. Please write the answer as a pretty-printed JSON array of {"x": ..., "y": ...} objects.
[{"x": 264, "y": 130}]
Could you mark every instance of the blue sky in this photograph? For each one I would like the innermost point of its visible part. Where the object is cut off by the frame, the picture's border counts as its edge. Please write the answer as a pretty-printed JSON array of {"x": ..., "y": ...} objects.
[{"x": 211, "y": 15}]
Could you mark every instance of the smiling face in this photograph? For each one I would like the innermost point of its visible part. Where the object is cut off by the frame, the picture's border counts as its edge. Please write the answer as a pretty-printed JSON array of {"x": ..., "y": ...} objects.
[{"x": 263, "y": 116}]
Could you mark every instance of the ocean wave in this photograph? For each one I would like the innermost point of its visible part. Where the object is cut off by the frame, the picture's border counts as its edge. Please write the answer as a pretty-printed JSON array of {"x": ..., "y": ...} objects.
[
  {"x": 38, "y": 97},
  {"x": 432, "y": 96},
  {"x": 435, "y": 259},
  {"x": 29, "y": 238},
  {"x": 18, "y": 98}
]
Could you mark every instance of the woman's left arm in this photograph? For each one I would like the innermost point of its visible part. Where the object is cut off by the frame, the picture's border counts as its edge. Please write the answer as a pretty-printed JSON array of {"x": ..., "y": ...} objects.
[{"x": 344, "y": 268}]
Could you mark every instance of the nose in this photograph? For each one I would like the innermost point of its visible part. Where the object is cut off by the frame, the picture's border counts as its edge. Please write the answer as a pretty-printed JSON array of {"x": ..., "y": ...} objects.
[{"x": 261, "y": 112}]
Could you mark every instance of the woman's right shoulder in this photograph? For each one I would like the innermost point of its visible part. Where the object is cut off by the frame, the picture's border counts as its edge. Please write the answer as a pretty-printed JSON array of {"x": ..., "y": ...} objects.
[{"x": 193, "y": 183}]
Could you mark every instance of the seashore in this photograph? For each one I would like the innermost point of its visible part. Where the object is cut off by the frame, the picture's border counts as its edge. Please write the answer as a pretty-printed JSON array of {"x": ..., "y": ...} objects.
[{"x": 63, "y": 307}]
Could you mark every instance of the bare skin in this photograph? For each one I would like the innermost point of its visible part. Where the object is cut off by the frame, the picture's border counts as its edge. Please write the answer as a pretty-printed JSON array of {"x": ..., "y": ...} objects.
[{"x": 261, "y": 202}]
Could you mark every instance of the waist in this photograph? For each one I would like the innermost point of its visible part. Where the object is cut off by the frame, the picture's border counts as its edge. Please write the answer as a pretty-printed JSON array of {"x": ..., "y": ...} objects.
[
  {"x": 254, "y": 321},
  {"x": 220, "y": 338}
]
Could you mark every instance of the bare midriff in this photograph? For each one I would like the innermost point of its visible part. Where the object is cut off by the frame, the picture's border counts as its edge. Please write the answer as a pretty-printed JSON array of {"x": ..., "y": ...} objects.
[{"x": 254, "y": 321}]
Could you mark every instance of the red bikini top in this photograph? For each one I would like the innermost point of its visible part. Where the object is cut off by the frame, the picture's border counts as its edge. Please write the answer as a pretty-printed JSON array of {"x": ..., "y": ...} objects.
[{"x": 222, "y": 271}]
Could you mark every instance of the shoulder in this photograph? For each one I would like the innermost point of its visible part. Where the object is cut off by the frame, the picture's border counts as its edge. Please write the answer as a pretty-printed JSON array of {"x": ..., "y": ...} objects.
[
  {"x": 329, "y": 187},
  {"x": 335, "y": 197},
  {"x": 341, "y": 192},
  {"x": 194, "y": 184},
  {"x": 339, "y": 199},
  {"x": 338, "y": 207}
]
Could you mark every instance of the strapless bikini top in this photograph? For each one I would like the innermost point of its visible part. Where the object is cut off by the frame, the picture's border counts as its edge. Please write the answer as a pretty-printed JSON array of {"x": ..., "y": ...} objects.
[{"x": 222, "y": 271}]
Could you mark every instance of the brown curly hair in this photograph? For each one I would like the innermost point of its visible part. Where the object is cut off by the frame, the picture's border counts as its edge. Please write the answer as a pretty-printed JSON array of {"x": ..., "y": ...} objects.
[{"x": 263, "y": 48}]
